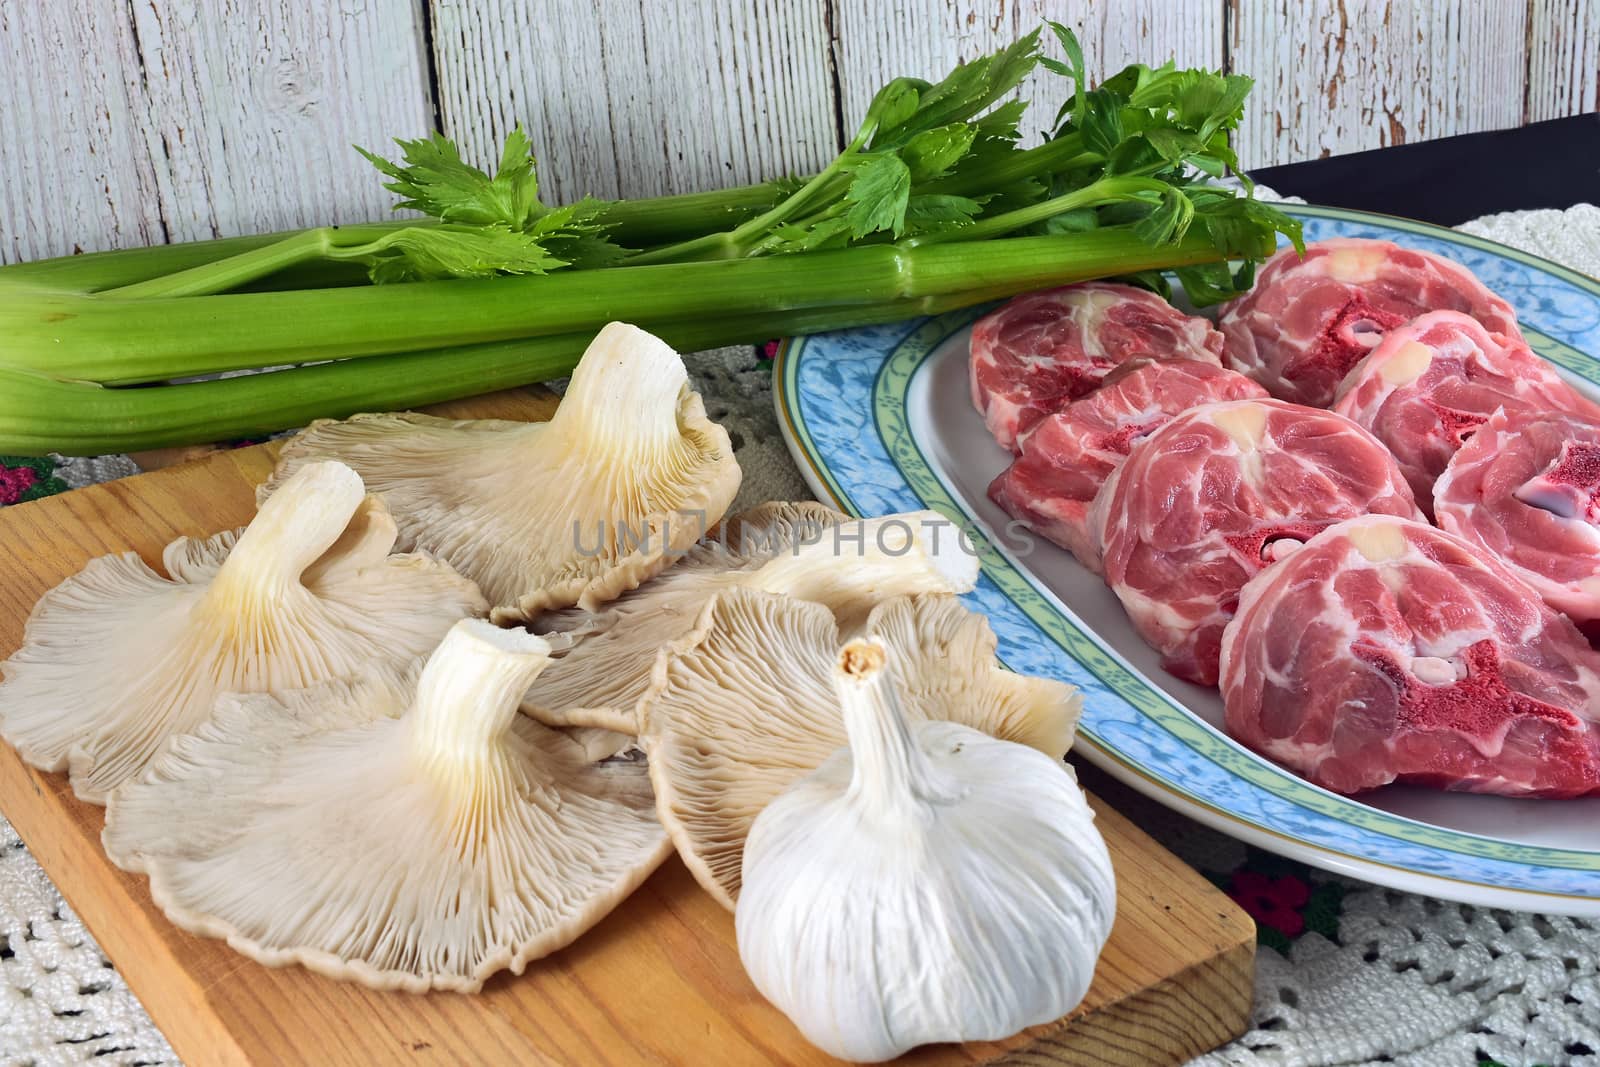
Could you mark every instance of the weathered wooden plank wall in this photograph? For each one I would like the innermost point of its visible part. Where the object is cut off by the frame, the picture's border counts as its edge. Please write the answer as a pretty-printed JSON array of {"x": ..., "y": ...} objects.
[
  {"x": 128, "y": 122},
  {"x": 1340, "y": 76},
  {"x": 659, "y": 98},
  {"x": 1563, "y": 58}
]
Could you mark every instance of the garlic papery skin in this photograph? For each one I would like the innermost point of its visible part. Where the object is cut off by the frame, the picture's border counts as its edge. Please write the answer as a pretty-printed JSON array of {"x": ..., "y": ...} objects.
[{"x": 926, "y": 883}]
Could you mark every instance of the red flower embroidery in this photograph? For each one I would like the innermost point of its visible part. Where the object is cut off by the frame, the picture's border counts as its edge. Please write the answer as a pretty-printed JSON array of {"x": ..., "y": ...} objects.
[
  {"x": 1274, "y": 902},
  {"x": 14, "y": 481},
  {"x": 769, "y": 350}
]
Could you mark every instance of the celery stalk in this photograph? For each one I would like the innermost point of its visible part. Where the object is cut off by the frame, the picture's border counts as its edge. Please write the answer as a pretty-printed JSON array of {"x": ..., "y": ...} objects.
[
  {"x": 638, "y": 223},
  {"x": 95, "y": 271},
  {"x": 102, "y": 339},
  {"x": 40, "y": 414},
  {"x": 299, "y": 250}
]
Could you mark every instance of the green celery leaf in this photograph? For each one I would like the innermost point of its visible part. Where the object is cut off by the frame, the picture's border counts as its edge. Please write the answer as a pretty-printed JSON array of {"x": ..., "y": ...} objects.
[
  {"x": 1152, "y": 88},
  {"x": 1217, "y": 103},
  {"x": 1212, "y": 283},
  {"x": 493, "y": 225},
  {"x": 1127, "y": 82},
  {"x": 587, "y": 252},
  {"x": 1001, "y": 123},
  {"x": 1266, "y": 215},
  {"x": 932, "y": 153},
  {"x": 827, "y": 233},
  {"x": 1010, "y": 197},
  {"x": 1238, "y": 225},
  {"x": 935, "y": 212},
  {"x": 436, "y": 182},
  {"x": 1125, "y": 213},
  {"x": 1209, "y": 197},
  {"x": 966, "y": 91},
  {"x": 1174, "y": 145},
  {"x": 577, "y": 234},
  {"x": 981, "y": 159},
  {"x": 1153, "y": 280},
  {"x": 1219, "y": 157},
  {"x": 425, "y": 253},
  {"x": 985, "y": 154},
  {"x": 893, "y": 105},
  {"x": 1073, "y": 68},
  {"x": 878, "y": 196},
  {"x": 1199, "y": 100},
  {"x": 1102, "y": 122},
  {"x": 1168, "y": 221},
  {"x": 1135, "y": 155},
  {"x": 1078, "y": 220},
  {"x": 516, "y": 179}
]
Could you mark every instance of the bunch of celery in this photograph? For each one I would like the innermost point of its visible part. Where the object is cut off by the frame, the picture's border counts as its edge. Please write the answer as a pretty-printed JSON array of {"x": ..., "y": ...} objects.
[{"x": 932, "y": 205}]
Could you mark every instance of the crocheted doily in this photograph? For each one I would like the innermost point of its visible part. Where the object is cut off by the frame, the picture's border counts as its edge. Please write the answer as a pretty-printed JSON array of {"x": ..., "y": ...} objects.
[{"x": 1346, "y": 973}]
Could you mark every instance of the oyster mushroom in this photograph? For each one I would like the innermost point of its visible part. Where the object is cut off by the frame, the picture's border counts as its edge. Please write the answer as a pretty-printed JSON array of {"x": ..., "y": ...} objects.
[
  {"x": 628, "y": 474},
  {"x": 746, "y": 705},
  {"x": 804, "y": 550},
  {"x": 117, "y": 659},
  {"x": 407, "y": 830}
]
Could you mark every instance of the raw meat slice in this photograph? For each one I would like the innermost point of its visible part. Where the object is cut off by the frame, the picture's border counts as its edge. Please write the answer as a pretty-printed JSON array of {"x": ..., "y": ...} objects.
[
  {"x": 1526, "y": 487},
  {"x": 1066, "y": 457},
  {"x": 1388, "y": 651},
  {"x": 1432, "y": 382},
  {"x": 1205, "y": 502},
  {"x": 1308, "y": 321},
  {"x": 1036, "y": 352}
]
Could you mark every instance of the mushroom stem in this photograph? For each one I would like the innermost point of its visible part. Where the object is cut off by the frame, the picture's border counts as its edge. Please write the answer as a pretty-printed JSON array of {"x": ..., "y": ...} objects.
[
  {"x": 469, "y": 690},
  {"x": 832, "y": 564},
  {"x": 888, "y": 770},
  {"x": 366, "y": 541},
  {"x": 292, "y": 530},
  {"x": 624, "y": 391}
]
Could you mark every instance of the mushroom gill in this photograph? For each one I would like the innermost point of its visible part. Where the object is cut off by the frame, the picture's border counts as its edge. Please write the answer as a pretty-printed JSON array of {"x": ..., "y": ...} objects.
[
  {"x": 407, "y": 830},
  {"x": 745, "y": 705},
  {"x": 117, "y": 659},
  {"x": 803, "y": 550}
]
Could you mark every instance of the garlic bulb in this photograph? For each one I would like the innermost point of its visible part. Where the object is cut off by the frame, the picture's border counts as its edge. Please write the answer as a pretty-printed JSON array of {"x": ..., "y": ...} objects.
[{"x": 926, "y": 883}]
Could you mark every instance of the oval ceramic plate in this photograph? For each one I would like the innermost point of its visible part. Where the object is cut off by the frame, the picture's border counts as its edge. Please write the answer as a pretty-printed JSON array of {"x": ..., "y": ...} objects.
[{"x": 880, "y": 421}]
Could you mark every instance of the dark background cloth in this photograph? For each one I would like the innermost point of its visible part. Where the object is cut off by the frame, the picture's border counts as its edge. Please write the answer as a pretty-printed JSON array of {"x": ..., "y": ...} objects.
[{"x": 1552, "y": 164}]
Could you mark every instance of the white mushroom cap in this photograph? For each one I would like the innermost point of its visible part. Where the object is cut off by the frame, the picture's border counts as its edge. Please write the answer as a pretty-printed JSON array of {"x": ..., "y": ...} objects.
[
  {"x": 628, "y": 474},
  {"x": 117, "y": 659},
  {"x": 408, "y": 830},
  {"x": 803, "y": 550},
  {"x": 745, "y": 705}
]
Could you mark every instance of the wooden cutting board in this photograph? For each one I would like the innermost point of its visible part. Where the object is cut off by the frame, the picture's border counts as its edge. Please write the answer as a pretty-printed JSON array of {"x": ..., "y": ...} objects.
[{"x": 659, "y": 981}]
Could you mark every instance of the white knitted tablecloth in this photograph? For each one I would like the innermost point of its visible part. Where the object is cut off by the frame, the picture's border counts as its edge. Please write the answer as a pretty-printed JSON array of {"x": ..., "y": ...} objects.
[{"x": 1394, "y": 979}]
